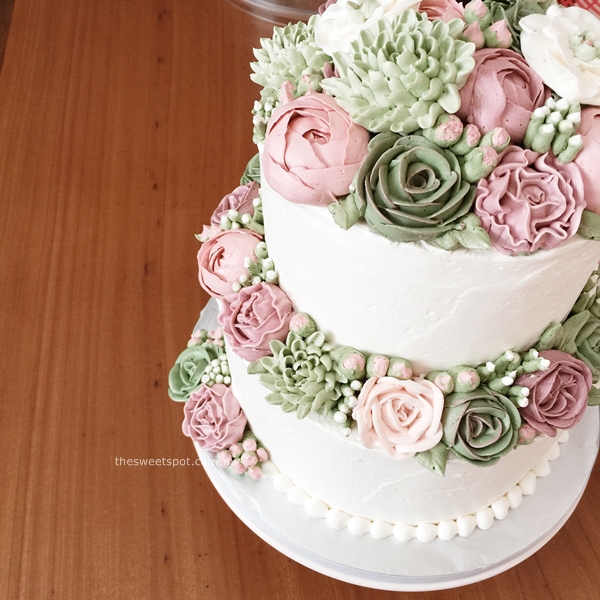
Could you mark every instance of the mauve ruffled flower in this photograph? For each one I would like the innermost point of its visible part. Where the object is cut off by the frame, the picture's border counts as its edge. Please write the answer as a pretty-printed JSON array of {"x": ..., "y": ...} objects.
[
  {"x": 442, "y": 9},
  {"x": 312, "y": 150},
  {"x": 530, "y": 201},
  {"x": 213, "y": 418},
  {"x": 221, "y": 260},
  {"x": 254, "y": 317},
  {"x": 587, "y": 159},
  {"x": 501, "y": 91},
  {"x": 240, "y": 200},
  {"x": 402, "y": 417},
  {"x": 558, "y": 396}
]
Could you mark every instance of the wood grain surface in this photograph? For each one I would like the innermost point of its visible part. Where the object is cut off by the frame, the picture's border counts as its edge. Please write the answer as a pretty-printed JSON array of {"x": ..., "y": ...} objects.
[{"x": 122, "y": 124}]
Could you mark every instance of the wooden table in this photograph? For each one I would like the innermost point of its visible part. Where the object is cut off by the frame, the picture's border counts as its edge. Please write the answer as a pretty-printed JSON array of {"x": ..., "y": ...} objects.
[{"x": 122, "y": 123}]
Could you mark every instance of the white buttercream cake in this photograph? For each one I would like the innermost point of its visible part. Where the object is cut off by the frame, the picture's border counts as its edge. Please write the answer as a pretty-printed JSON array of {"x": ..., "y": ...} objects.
[{"x": 406, "y": 277}]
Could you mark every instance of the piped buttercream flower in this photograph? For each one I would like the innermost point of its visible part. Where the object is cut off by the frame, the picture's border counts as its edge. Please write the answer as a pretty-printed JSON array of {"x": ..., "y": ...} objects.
[
  {"x": 221, "y": 260},
  {"x": 313, "y": 150},
  {"x": 480, "y": 426},
  {"x": 530, "y": 202},
  {"x": 240, "y": 200},
  {"x": 254, "y": 317},
  {"x": 442, "y": 9},
  {"x": 558, "y": 395},
  {"x": 213, "y": 417},
  {"x": 342, "y": 21},
  {"x": 401, "y": 75},
  {"x": 186, "y": 374},
  {"x": 412, "y": 188},
  {"x": 501, "y": 91},
  {"x": 587, "y": 159},
  {"x": 563, "y": 47},
  {"x": 402, "y": 417}
]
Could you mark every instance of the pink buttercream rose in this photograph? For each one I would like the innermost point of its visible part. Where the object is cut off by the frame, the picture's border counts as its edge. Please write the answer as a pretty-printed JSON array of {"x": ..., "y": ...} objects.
[
  {"x": 501, "y": 91},
  {"x": 213, "y": 417},
  {"x": 442, "y": 9},
  {"x": 589, "y": 156},
  {"x": 240, "y": 199},
  {"x": 254, "y": 317},
  {"x": 312, "y": 150},
  {"x": 221, "y": 260},
  {"x": 402, "y": 417},
  {"x": 530, "y": 201},
  {"x": 558, "y": 396}
]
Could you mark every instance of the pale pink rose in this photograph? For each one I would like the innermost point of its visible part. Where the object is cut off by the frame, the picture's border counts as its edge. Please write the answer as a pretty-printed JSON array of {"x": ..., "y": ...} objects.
[
  {"x": 501, "y": 91},
  {"x": 213, "y": 417},
  {"x": 559, "y": 395},
  {"x": 530, "y": 201},
  {"x": 254, "y": 317},
  {"x": 240, "y": 200},
  {"x": 221, "y": 260},
  {"x": 402, "y": 417},
  {"x": 442, "y": 9},
  {"x": 589, "y": 156},
  {"x": 312, "y": 150}
]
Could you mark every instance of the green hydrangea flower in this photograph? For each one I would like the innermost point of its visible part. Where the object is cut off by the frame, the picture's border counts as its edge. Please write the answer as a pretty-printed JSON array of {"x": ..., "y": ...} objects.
[{"x": 402, "y": 74}]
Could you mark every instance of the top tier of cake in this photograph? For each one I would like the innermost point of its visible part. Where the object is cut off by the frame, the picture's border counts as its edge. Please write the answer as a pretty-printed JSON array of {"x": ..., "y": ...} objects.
[{"x": 437, "y": 309}]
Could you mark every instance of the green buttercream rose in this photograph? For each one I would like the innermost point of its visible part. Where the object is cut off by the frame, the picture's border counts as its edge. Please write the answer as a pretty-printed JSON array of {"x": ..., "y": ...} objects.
[
  {"x": 413, "y": 189},
  {"x": 581, "y": 338},
  {"x": 480, "y": 426},
  {"x": 186, "y": 374}
]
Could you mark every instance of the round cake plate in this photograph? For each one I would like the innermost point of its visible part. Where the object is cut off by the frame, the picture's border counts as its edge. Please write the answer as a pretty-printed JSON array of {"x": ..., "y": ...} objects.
[{"x": 413, "y": 566}]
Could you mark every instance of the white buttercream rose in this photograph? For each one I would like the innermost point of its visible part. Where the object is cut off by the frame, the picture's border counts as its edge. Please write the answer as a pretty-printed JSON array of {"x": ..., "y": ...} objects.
[
  {"x": 561, "y": 46},
  {"x": 341, "y": 23},
  {"x": 402, "y": 417}
]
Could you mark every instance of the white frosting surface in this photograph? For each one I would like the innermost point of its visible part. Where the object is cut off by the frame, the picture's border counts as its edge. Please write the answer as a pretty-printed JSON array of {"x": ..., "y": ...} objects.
[
  {"x": 436, "y": 308},
  {"x": 344, "y": 475}
]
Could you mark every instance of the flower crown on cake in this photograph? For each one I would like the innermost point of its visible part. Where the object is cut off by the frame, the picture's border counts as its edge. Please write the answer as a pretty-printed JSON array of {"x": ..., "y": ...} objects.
[{"x": 471, "y": 128}]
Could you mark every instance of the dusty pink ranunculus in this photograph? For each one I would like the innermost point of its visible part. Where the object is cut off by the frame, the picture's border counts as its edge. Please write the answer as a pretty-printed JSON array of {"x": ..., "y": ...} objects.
[
  {"x": 312, "y": 150},
  {"x": 402, "y": 417},
  {"x": 221, "y": 260},
  {"x": 213, "y": 418},
  {"x": 442, "y": 9},
  {"x": 240, "y": 199},
  {"x": 501, "y": 91},
  {"x": 559, "y": 395},
  {"x": 587, "y": 159},
  {"x": 254, "y": 317},
  {"x": 530, "y": 201}
]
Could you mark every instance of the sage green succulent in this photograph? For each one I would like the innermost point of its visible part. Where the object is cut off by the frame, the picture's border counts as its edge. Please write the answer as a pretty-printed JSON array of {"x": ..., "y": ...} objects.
[
  {"x": 302, "y": 375},
  {"x": 402, "y": 74},
  {"x": 186, "y": 375},
  {"x": 290, "y": 55},
  {"x": 252, "y": 171}
]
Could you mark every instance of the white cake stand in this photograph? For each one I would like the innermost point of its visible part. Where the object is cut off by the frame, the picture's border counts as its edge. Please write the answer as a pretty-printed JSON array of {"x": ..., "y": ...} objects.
[{"x": 413, "y": 566}]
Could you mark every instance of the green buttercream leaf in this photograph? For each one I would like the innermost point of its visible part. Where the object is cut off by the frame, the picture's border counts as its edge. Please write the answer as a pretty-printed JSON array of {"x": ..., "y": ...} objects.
[
  {"x": 435, "y": 459},
  {"x": 571, "y": 328},
  {"x": 551, "y": 338},
  {"x": 589, "y": 228},
  {"x": 594, "y": 397},
  {"x": 347, "y": 211},
  {"x": 274, "y": 398}
]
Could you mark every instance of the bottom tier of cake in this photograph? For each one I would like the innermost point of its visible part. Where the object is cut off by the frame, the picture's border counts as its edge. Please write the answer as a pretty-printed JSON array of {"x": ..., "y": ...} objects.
[{"x": 317, "y": 458}]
